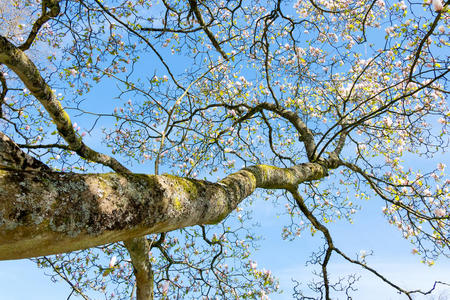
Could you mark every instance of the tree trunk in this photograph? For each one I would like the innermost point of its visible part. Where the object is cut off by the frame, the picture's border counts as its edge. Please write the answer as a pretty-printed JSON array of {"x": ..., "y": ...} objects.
[{"x": 142, "y": 268}]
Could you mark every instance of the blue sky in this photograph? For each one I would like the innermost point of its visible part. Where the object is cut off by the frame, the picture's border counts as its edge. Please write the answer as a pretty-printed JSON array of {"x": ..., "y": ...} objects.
[
  {"x": 286, "y": 259},
  {"x": 370, "y": 231},
  {"x": 392, "y": 257}
]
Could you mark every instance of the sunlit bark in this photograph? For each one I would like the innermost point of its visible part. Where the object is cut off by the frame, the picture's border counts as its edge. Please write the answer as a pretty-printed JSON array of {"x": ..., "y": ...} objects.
[{"x": 45, "y": 213}]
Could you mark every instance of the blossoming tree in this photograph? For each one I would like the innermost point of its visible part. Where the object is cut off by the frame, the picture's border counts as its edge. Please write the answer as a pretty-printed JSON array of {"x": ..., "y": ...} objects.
[{"x": 318, "y": 103}]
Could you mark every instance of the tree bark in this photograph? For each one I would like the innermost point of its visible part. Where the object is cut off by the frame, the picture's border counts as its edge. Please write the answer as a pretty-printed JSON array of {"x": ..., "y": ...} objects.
[
  {"x": 43, "y": 213},
  {"x": 142, "y": 268}
]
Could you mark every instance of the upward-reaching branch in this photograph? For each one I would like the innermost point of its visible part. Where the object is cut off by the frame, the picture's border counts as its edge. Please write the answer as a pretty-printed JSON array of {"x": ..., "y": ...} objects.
[
  {"x": 18, "y": 61},
  {"x": 306, "y": 135},
  {"x": 212, "y": 38},
  {"x": 53, "y": 11}
]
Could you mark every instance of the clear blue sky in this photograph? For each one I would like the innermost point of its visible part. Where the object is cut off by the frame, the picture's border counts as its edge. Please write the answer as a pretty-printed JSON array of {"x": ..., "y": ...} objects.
[
  {"x": 392, "y": 257},
  {"x": 20, "y": 280},
  {"x": 392, "y": 254},
  {"x": 370, "y": 231}
]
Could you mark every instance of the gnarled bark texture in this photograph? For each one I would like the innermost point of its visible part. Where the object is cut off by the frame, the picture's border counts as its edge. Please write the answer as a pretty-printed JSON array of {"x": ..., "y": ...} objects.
[{"x": 44, "y": 213}]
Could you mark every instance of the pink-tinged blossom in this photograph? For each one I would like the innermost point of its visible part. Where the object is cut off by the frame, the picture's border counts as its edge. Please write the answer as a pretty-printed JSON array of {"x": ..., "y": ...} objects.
[
  {"x": 165, "y": 288},
  {"x": 389, "y": 30},
  {"x": 411, "y": 85},
  {"x": 440, "y": 212},
  {"x": 84, "y": 133},
  {"x": 264, "y": 296},
  {"x": 441, "y": 167},
  {"x": 441, "y": 29},
  {"x": 300, "y": 51},
  {"x": 314, "y": 51},
  {"x": 388, "y": 121},
  {"x": 427, "y": 192},
  {"x": 437, "y": 5},
  {"x": 402, "y": 5}
]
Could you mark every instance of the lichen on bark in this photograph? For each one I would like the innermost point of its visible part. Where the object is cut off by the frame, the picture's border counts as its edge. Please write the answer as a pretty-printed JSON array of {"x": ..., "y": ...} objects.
[{"x": 44, "y": 213}]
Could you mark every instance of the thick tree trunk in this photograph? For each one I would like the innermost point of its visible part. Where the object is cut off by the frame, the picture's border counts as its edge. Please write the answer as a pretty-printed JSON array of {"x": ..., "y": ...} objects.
[
  {"x": 43, "y": 213},
  {"x": 142, "y": 268}
]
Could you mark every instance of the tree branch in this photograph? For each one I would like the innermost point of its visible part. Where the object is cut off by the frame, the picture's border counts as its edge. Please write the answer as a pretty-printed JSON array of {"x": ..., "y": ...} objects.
[
  {"x": 44, "y": 213},
  {"x": 3, "y": 92},
  {"x": 306, "y": 136},
  {"x": 64, "y": 277},
  {"x": 11, "y": 156},
  {"x": 18, "y": 61},
  {"x": 198, "y": 15},
  {"x": 330, "y": 246},
  {"x": 53, "y": 6},
  {"x": 139, "y": 249}
]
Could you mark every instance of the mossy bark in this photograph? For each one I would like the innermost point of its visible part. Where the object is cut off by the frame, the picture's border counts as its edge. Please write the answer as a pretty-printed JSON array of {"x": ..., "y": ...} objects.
[
  {"x": 44, "y": 213},
  {"x": 139, "y": 249}
]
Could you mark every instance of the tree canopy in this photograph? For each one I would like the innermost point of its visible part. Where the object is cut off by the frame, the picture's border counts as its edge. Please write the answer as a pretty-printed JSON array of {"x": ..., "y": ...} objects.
[{"x": 317, "y": 104}]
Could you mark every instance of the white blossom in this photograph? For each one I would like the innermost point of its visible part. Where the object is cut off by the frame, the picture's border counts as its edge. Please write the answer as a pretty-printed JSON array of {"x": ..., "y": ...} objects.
[
  {"x": 113, "y": 261},
  {"x": 437, "y": 5}
]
